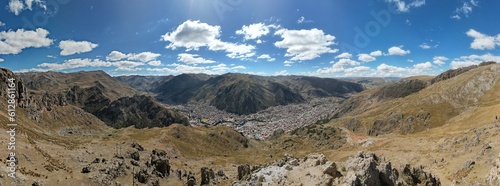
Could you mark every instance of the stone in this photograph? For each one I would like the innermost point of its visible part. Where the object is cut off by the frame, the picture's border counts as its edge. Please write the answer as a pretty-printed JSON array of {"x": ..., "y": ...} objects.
[
  {"x": 207, "y": 176},
  {"x": 243, "y": 171}
]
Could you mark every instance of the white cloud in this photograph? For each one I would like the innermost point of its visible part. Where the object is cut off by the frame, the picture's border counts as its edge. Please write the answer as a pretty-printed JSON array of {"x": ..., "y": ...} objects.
[
  {"x": 193, "y": 34},
  {"x": 255, "y": 31},
  {"x": 193, "y": 59},
  {"x": 465, "y": 61},
  {"x": 483, "y": 41},
  {"x": 2, "y": 24},
  {"x": 425, "y": 46},
  {"x": 388, "y": 70},
  {"x": 115, "y": 56},
  {"x": 376, "y": 53},
  {"x": 302, "y": 19},
  {"x": 338, "y": 66},
  {"x": 398, "y": 51},
  {"x": 281, "y": 73},
  {"x": 183, "y": 68},
  {"x": 2, "y": 60},
  {"x": 403, "y": 7},
  {"x": 305, "y": 44},
  {"x": 366, "y": 57},
  {"x": 154, "y": 63},
  {"x": 70, "y": 47},
  {"x": 13, "y": 42},
  {"x": 457, "y": 17},
  {"x": 142, "y": 57},
  {"x": 465, "y": 9},
  {"x": 288, "y": 63},
  {"x": 422, "y": 67},
  {"x": 439, "y": 60},
  {"x": 345, "y": 55},
  {"x": 266, "y": 57},
  {"x": 17, "y": 6}
]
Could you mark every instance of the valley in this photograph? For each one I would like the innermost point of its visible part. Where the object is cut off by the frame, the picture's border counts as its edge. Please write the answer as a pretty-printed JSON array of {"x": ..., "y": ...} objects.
[{"x": 88, "y": 128}]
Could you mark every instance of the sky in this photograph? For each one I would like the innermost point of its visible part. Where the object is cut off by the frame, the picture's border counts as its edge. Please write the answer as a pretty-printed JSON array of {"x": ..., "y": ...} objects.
[{"x": 325, "y": 38}]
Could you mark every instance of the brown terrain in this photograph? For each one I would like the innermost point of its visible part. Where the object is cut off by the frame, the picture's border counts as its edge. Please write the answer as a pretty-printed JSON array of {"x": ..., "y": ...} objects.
[{"x": 419, "y": 131}]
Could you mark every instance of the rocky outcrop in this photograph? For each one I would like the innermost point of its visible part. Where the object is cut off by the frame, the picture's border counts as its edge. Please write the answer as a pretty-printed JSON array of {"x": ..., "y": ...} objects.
[
  {"x": 315, "y": 169},
  {"x": 243, "y": 171},
  {"x": 494, "y": 175},
  {"x": 207, "y": 176},
  {"x": 455, "y": 72}
]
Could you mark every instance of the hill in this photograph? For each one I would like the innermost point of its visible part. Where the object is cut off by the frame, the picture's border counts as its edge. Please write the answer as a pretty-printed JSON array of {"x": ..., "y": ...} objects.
[
  {"x": 98, "y": 94},
  {"x": 246, "y": 94},
  {"x": 410, "y": 106}
]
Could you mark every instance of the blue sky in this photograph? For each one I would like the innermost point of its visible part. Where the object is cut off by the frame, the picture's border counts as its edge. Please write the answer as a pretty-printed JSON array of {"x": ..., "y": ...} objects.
[{"x": 327, "y": 38}]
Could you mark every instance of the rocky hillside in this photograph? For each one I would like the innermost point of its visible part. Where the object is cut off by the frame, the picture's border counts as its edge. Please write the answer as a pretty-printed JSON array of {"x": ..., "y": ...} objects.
[
  {"x": 99, "y": 94},
  {"x": 246, "y": 94},
  {"x": 410, "y": 106},
  {"x": 315, "y": 169},
  {"x": 144, "y": 83},
  {"x": 138, "y": 111}
]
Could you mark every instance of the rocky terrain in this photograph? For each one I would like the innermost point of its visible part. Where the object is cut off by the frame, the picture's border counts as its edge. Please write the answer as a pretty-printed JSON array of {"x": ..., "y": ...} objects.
[{"x": 407, "y": 133}]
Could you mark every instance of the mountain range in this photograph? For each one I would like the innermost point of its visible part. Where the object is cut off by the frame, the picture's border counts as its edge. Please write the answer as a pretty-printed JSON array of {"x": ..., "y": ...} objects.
[
  {"x": 243, "y": 93},
  {"x": 90, "y": 128}
]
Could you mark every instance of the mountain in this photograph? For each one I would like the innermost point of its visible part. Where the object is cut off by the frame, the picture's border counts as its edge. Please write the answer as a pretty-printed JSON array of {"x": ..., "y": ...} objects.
[
  {"x": 138, "y": 111},
  {"x": 246, "y": 94},
  {"x": 180, "y": 89},
  {"x": 143, "y": 83},
  {"x": 410, "y": 106},
  {"x": 99, "y": 94},
  {"x": 56, "y": 82},
  {"x": 314, "y": 87}
]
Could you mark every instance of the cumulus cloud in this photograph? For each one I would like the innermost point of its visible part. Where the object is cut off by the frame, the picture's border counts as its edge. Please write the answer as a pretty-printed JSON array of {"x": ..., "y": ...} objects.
[
  {"x": 402, "y": 6},
  {"x": 439, "y": 60},
  {"x": 465, "y": 61},
  {"x": 115, "y": 56},
  {"x": 2, "y": 24},
  {"x": 305, "y": 44},
  {"x": 366, "y": 57},
  {"x": 483, "y": 41},
  {"x": 376, "y": 53},
  {"x": 13, "y": 42},
  {"x": 398, "y": 51},
  {"x": 17, "y": 6},
  {"x": 193, "y": 59},
  {"x": 345, "y": 55},
  {"x": 266, "y": 57},
  {"x": 141, "y": 57},
  {"x": 339, "y": 66},
  {"x": 70, "y": 47},
  {"x": 255, "y": 31},
  {"x": 193, "y": 35},
  {"x": 175, "y": 69},
  {"x": 422, "y": 67},
  {"x": 2, "y": 60}
]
